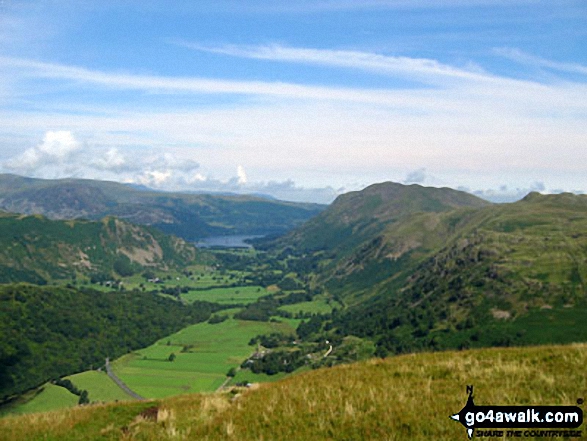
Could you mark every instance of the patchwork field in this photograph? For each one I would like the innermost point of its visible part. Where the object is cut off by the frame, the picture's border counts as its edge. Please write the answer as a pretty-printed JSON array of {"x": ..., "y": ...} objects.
[
  {"x": 99, "y": 386},
  {"x": 240, "y": 295},
  {"x": 203, "y": 354},
  {"x": 201, "y": 277},
  {"x": 319, "y": 305}
]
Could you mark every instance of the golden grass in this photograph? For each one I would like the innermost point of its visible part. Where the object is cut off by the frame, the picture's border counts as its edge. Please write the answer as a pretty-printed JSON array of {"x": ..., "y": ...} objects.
[{"x": 408, "y": 397}]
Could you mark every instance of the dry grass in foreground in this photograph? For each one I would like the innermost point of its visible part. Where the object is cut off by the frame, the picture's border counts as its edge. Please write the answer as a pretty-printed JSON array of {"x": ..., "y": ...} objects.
[{"x": 401, "y": 398}]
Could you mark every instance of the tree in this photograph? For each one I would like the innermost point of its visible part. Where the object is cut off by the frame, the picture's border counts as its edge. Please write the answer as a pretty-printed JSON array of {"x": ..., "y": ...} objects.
[
  {"x": 123, "y": 266},
  {"x": 84, "y": 398},
  {"x": 171, "y": 357}
]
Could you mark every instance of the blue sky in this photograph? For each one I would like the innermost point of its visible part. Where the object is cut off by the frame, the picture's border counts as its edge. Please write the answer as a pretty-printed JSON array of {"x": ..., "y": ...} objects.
[{"x": 301, "y": 100}]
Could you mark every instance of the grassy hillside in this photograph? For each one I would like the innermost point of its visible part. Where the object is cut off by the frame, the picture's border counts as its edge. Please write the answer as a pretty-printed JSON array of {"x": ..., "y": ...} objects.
[
  {"x": 399, "y": 398},
  {"x": 36, "y": 249},
  {"x": 191, "y": 216}
]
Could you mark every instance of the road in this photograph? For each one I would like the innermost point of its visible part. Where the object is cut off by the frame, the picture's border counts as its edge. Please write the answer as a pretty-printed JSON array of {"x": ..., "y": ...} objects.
[{"x": 120, "y": 383}]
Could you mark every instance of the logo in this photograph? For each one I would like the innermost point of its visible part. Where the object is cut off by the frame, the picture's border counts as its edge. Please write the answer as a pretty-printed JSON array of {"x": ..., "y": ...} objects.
[{"x": 475, "y": 418}]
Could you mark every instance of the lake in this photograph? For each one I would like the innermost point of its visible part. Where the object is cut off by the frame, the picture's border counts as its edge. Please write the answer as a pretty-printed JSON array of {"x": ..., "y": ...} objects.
[{"x": 225, "y": 241}]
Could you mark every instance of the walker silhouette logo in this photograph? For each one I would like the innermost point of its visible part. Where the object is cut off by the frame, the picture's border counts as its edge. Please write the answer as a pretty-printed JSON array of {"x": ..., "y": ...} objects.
[{"x": 475, "y": 418}]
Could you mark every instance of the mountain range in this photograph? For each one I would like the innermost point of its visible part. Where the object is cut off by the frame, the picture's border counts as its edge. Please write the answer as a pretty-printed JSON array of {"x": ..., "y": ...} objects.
[{"x": 187, "y": 215}]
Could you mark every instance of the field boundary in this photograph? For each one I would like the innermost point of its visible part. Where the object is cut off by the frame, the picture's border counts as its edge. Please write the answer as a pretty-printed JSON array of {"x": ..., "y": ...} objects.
[{"x": 121, "y": 383}]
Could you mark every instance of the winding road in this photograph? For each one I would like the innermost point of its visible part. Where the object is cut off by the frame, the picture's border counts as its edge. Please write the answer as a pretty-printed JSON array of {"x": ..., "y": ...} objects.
[{"x": 120, "y": 383}]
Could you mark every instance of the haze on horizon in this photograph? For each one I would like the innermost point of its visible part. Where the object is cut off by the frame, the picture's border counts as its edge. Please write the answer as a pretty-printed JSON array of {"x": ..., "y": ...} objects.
[{"x": 301, "y": 101}]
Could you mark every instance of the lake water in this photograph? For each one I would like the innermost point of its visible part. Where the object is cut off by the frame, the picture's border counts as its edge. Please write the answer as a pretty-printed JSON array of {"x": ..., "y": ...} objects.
[{"x": 225, "y": 241}]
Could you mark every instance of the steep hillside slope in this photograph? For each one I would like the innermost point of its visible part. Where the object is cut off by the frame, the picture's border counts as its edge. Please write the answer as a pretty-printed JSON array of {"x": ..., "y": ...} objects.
[
  {"x": 36, "y": 249},
  {"x": 191, "y": 216},
  {"x": 501, "y": 266},
  {"x": 401, "y": 398}
]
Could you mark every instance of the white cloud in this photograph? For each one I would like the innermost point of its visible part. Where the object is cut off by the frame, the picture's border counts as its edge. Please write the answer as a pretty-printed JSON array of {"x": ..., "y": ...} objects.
[
  {"x": 154, "y": 178},
  {"x": 176, "y": 162},
  {"x": 416, "y": 176},
  {"x": 241, "y": 174},
  {"x": 111, "y": 160},
  {"x": 27, "y": 161},
  {"x": 55, "y": 147},
  {"x": 59, "y": 144},
  {"x": 505, "y": 193},
  {"x": 158, "y": 84}
]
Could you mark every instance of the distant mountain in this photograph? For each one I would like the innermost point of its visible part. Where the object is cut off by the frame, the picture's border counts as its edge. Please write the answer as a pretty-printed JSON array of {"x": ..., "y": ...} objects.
[
  {"x": 357, "y": 216},
  {"x": 35, "y": 249},
  {"x": 191, "y": 216},
  {"x": 367, "y": 232}
]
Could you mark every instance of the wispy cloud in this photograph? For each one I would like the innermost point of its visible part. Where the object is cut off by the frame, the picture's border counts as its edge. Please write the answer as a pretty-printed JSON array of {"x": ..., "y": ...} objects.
[
  {"x": 449, "y": 83},
  {"x": 470, "y": 85},
  {"x": 428, "y": 69},
  {"x": 523, "y": 58},
  {"x": 162, "y": 84},
  {"x": 469, "y": 121}
]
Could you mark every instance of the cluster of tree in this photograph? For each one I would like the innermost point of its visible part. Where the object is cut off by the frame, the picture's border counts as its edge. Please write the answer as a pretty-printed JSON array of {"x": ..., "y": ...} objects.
[
  {"x": 41, "y": 250},
  {"x": 124, "y": 267},
  {"x": 289, "y": 284},
  {"x": 272, "y": 340},
  {"x": 313, "y": 326},
  {"x": 175, "y": 291},
  {"x": 267, "y": 306},
  {"x": 260, "y": 311},
  {"x": 67, "y": 384},
  {"x": 49, "y": 332},
  {"x": 275, "y": 362},
  {"x": 264, "y": 277},
  {"x": 236, "y": 261},
  {"x": 99, "y": 278},
  {"x": 217, "y": 319},
  {"x": 447, "y": 302}
]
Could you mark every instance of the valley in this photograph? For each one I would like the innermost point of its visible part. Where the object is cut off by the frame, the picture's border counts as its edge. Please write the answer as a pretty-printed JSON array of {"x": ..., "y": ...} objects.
[{"x": 387, "y": 271}]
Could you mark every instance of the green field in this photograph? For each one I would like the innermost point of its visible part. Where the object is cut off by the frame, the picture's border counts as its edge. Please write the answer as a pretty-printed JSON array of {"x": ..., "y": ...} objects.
[
  {"x": 228, "y": 312},
  {"x": 204, "y": 354},
  {"x": 317, "y": 306},
  {"x": 241, "y": 295},
  {"x": 201, "y": 277},
  {"x": 99, "y": 386},
  {"x": 48, "y": 397}
]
